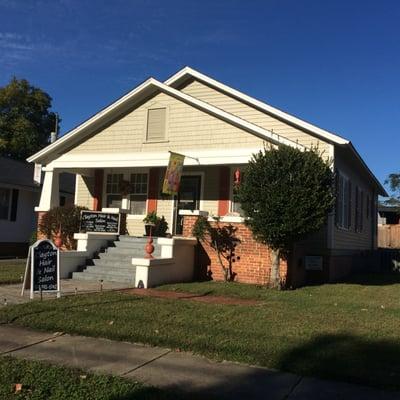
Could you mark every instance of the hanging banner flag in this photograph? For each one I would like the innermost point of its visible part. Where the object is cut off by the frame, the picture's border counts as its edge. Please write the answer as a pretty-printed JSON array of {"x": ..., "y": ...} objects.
[{"x": 173, "y": 175}]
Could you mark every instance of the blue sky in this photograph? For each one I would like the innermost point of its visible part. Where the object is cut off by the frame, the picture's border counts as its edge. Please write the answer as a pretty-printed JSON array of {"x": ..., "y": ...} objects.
[{"x": 333, "y": 63}]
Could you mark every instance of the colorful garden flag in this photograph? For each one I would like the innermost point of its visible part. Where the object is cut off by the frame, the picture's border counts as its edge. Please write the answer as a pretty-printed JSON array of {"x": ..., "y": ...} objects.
[{"x": 173, "y": 175}]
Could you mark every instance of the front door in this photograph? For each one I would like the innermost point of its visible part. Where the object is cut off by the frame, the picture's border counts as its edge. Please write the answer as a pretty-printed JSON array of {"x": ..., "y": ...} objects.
[{"x": 188, "y": 198}]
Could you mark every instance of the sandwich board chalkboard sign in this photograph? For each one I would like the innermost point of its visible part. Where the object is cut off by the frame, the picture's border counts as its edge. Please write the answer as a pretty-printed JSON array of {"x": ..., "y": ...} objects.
[
  {"x": 99, "y": 222},
  {"x": 45, "y": 267}
]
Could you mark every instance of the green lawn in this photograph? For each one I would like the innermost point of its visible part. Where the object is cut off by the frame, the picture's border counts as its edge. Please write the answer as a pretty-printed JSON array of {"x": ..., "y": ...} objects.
[
  {"x": 348, "y": 331},
  {"x": 41, "y": 381},
  {"x": 11, "y": 271}
]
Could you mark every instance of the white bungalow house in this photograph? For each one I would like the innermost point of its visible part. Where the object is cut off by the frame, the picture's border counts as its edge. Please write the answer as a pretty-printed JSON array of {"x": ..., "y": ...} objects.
[{"x": 218, "y": 129}]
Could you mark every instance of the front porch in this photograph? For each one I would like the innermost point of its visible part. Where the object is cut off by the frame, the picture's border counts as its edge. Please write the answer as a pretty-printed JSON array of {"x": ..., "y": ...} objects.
[{"x": 137, "y": 191}]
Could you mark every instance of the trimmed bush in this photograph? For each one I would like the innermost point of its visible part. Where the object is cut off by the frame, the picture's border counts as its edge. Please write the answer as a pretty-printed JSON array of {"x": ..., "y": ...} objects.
[{"x": 67, "y": 218}]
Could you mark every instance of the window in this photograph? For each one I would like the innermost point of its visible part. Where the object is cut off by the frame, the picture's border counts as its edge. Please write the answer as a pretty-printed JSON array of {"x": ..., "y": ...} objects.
[
  {"x": 368, "y": 206},
  {"x": 343, "y": 201},
  {"x": 156, "y": 118},
  {"x": 4, "y": 203},
  {"x": 138, "y": 195},
  {"x": 359, "y": 210},
  {"x": 113, "y": 190}
]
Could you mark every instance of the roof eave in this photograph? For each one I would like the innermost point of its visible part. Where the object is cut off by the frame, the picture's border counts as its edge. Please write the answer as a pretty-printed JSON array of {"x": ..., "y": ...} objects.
[
  {"x": 188, "y": 72},
  {"x": 380, "y": 188}
]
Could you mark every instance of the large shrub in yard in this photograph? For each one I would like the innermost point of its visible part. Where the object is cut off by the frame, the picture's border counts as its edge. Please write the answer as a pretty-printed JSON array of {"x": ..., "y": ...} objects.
[
  {"x": 286, "y": 194},
  {"x": 65, "y": 219}
]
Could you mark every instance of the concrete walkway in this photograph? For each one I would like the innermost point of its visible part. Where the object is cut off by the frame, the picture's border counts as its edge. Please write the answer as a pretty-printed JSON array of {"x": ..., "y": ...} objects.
[
  {"x": 182, "y": 372},
  {"x": 11, "y": 294}
]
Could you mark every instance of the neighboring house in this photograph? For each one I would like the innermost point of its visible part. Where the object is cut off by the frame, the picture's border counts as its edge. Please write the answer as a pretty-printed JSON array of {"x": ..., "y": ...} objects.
[
  {"x": 218, "y": 129},
  {"x": 388, "y": 215},
  {"x": 19, "y": 194}
]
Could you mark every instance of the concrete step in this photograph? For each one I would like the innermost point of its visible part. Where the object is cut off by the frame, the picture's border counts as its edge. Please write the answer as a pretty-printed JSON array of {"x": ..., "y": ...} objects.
[
  {"x": 86, "y": 276},
  {"x": 110, "y": 264},
  {"x": 116, "y": 252},
  {"x": 133, "y": 239},
  {"x": 131, "y": 245},
  {"x": 106, "y": 270},
  {"x": 114, "y": 273}
]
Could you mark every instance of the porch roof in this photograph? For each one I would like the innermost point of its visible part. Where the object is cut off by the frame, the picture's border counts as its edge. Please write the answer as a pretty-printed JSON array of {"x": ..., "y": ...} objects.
[{"x": 152, "y": 159}]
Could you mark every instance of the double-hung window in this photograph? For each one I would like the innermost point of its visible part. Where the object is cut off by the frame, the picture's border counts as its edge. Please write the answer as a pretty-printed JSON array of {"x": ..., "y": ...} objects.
[
  {"x": 343, "y": 201},
  {"x": 4, "y": 203},
  {"x": 359, "y": 214},
  {"x": 113, "y": 190},
  {"x": 138, "y": 196}
]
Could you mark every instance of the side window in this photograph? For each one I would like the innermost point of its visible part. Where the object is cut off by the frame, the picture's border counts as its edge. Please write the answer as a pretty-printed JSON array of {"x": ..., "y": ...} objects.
[
  {"x": 4, "y": 203},
  {"x": 343, "y": 201},
  {"x": 138, "y": 195},
  {"x": 113, "y": 190},
  {"x": 359, "y": 212}
]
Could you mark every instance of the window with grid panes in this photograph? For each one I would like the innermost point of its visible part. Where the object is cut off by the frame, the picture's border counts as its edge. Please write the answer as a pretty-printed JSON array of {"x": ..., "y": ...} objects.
[
  {"x": 113, "y": 190},
  {"x": 138, "y": 196}
]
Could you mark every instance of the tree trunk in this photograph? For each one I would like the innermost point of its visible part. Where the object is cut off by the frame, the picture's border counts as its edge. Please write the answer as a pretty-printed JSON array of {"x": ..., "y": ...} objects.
[{"x": 274, "y": 279}]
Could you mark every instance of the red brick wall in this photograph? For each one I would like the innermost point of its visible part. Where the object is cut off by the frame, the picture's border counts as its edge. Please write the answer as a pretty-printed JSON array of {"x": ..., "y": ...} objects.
[{"x": 253, "y": 262}]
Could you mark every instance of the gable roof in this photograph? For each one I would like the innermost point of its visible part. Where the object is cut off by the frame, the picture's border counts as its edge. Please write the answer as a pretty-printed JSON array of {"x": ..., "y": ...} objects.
[
  {"x": 148, "y": 88},
  {"x": 187, "y": 73},
  {"x": 181, "y": 76},
  {"x": 152, "y": 86}
]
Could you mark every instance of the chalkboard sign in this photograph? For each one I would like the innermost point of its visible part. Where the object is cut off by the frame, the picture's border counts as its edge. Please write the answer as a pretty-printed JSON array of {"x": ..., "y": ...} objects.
[
  {"x": 45, "y": 272},
  {"x": 97, "y": 221}
]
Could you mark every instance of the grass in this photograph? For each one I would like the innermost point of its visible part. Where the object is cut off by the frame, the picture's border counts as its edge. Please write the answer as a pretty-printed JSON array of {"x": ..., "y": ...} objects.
[
  {"x": 42, "y": 381},
  {"x": 347, "y": 331},
  {"x": 11, "y": 271}
]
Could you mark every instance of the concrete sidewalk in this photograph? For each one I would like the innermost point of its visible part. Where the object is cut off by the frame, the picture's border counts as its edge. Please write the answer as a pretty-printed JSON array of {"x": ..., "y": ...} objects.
[{"x": 181, "y": 372}]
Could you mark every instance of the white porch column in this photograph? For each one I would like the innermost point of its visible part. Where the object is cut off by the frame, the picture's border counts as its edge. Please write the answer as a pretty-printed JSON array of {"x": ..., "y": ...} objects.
[{"x": 50, "y": 196}]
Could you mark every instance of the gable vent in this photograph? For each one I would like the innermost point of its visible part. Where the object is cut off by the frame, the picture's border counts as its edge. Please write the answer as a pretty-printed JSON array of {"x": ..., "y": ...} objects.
[{"x": 156, "y": 124}]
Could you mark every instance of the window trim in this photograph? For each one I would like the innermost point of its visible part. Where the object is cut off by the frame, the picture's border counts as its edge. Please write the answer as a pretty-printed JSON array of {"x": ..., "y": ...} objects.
[
  {"x": 154, "y": 106},
  {"x": 139, "y": 216},
  {"x": 350, "y": 204},
  {"x": 359, "y": 210},
  {"x": 9, "y": 203},
  {"x": 105, "y": 193},
  {"x": 126, "y": 172}
]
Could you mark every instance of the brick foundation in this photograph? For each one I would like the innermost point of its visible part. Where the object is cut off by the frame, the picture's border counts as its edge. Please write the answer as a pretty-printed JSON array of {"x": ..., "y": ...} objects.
[{"x": 253, "y": 259}]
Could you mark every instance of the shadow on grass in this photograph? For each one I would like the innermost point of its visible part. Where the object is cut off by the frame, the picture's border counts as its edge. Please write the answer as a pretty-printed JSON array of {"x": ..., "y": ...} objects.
[
  {"x": 347, "y": 358},
  {"x": 36, "y": 308},
  {"x": 373, "y": 279}
]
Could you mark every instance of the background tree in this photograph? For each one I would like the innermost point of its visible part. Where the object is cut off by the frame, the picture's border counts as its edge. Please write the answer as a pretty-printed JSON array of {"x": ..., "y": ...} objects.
[
  {"x": 287, "y": 194},
  {"x": 393, "y": 181},
  {"x": 25, "y": 119}
]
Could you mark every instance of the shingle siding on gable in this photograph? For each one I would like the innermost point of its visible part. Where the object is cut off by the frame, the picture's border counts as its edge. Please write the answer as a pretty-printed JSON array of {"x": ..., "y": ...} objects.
[
  {"x": 187, "y": 127},
  {"x": 227, "y": 103}
]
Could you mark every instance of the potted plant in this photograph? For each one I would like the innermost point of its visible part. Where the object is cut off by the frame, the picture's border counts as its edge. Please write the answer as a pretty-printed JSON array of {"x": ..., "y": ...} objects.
[
  {"x": 159, "y": 226},
  {"x": 150, "y": 221}
]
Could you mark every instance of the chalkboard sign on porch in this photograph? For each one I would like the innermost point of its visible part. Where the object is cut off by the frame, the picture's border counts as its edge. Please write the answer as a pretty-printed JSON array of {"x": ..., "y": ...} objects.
[
  {"x": 101, "y": 222},
  {"x": 45, "y": 267}
]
